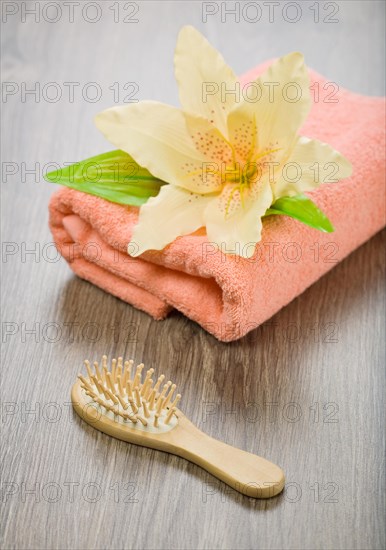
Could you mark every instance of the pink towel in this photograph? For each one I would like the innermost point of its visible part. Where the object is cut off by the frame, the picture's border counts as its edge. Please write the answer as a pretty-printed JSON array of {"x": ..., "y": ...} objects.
[{"x": 225, "y": 294}]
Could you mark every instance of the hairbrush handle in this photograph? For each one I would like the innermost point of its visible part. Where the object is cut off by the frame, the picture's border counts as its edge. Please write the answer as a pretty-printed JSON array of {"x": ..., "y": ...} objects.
[{"x": 245, "y": 472}]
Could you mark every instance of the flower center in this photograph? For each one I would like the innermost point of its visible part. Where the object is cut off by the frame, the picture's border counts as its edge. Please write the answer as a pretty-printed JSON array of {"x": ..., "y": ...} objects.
[
  {"x": 239, "y": 174},
  {"x": 245, "y": 177}
]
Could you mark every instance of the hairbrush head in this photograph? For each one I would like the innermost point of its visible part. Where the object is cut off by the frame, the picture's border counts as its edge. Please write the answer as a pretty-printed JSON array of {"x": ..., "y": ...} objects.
[{"x": 124, "y": 395}]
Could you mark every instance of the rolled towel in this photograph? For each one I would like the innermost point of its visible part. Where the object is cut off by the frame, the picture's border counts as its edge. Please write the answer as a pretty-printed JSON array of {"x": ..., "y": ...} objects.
[{"x": 226, "y": 294}]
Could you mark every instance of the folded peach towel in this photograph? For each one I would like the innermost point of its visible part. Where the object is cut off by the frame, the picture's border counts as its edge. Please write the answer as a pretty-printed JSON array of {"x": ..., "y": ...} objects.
[{"x": 228, "y": 295}]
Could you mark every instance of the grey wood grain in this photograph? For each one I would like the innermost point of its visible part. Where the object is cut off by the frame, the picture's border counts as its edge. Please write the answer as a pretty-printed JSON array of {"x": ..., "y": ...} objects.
[{"x": 305, "y": 390}]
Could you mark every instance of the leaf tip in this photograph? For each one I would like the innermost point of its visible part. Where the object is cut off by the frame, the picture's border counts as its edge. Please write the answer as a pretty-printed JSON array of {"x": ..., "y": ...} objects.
[{"x": 328, "y": 227}]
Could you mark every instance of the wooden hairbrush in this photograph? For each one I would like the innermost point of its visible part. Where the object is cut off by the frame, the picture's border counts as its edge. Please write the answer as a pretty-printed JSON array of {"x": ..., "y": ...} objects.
[{"x": 116, "y": 401}]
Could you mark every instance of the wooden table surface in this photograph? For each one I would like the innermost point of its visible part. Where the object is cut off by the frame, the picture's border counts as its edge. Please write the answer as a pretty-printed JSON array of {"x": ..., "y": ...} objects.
[{"x": 304, "y": 390}]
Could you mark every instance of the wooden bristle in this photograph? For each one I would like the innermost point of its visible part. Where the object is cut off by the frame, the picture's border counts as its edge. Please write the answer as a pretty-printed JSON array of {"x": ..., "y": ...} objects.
[
  {"x": 176, "y": 401},
  {"x": 110, "y": 384},
  {"x": 169, "y": 415},
  {"x": 88, "y": 368},
  {"x": 148, "y": 390},
  {"x": 133, "y": 405},
  {"x": 129, "y": 389},
  {"x": 84, "y": 381},
  {"x": 112, "y": 396},
  {"x": 145, "y": 409},
  {"x": 97, "y": 371},
  {"x": 169, "y": 396},
  {"x": 165, "y": 389},
  {"x": 142, "y": 420},
  {"x": 159, "y": 382},
  {"x": 120, "y": 387},
  {"x": 152, "y": 400},
  {"x": 146, "y": 381},
  {"x": 96, "y": 384},
  {"x": 137, "y": 397},
  {"x": 123, "y": 402},
  {"x": 160, "y": 402},
  {"x": 113, "y": 367},
  {"x": 127, "y": 372},
  {"x": 137, "y": 377},
  {"x": 104, "y": 374}
]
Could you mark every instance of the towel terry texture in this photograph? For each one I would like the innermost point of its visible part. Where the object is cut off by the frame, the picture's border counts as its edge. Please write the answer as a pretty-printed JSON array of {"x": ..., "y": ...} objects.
[{"x": 228, "y": 295}]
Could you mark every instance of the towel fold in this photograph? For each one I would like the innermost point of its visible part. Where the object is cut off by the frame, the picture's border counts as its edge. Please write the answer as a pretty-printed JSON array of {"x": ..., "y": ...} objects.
[{"x": 228, "y": 295}]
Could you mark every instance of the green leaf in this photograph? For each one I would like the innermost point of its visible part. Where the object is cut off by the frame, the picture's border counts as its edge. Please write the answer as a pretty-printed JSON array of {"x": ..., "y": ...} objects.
[
  {"x": 114, "y": 176},
  {"x": 303, "y": 209}
]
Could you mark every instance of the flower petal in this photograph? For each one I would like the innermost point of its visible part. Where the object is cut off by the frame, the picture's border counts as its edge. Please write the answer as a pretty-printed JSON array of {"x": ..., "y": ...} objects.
[
  {"x": 203, "y": 78},
  {"x": 238, "y": 232},
  {"x": 166, "y": 141},
  {"x": 173, "y": 212},
  {"x": 310, "y": 164},
  {"x": 276, "y": 104}
]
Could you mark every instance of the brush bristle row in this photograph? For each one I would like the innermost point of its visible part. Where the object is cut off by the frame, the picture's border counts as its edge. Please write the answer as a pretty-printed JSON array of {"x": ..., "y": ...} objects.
[{"x": 123, "y": 393}]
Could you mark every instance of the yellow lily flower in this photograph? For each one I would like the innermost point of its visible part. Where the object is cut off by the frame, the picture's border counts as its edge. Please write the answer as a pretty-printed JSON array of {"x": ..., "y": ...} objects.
[{"x": 224, "y": 153}]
